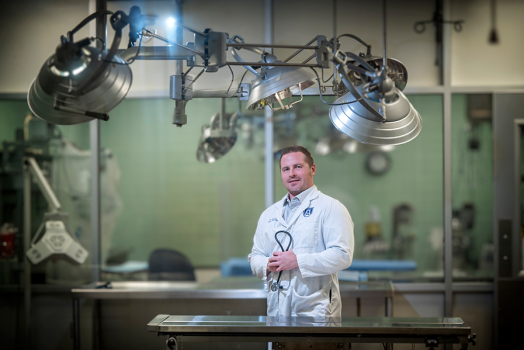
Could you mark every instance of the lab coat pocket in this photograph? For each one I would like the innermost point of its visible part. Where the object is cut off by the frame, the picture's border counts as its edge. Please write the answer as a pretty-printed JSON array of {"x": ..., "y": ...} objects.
[
  {"x": 305, "y": 232},
  {"x": 314, "y": 304},
  {"x": 272, "y": 301}
]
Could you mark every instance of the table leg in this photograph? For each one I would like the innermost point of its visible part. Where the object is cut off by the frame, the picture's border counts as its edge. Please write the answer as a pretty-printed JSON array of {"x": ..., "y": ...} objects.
[
  {"x": 389, "y": 307},
  {"x": 358, "y": 307},
  {"x": 76, "y": 323}
]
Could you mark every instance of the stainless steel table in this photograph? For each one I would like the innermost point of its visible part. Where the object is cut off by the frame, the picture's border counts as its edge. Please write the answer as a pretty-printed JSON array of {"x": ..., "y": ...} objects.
[
  {"x": 316, "y": 333},
  {"x": 222, "y": 288}
]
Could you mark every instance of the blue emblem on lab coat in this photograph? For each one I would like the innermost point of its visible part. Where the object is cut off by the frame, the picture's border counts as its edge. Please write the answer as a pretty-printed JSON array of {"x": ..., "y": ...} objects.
[{"x": 308, "y": 212}]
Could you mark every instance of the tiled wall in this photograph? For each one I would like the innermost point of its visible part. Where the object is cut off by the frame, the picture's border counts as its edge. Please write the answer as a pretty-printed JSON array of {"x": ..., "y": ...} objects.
[{"x": 170, "y": 200}]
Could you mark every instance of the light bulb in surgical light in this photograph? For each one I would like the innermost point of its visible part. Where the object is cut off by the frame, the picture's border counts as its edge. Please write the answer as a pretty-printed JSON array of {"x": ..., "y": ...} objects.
[{"x": 170, "y": 22}]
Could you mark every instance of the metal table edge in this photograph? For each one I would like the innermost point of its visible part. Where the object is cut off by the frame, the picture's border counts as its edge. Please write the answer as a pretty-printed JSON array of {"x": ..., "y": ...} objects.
[{"x": 154, "y": 324}]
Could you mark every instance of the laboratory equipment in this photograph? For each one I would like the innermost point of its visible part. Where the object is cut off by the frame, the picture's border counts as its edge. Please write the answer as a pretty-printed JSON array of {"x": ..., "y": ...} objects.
[
  {"x": 56, "y": 241},
  {"x": 7, "y": 241},
  {"x": 375, "y": 243}
]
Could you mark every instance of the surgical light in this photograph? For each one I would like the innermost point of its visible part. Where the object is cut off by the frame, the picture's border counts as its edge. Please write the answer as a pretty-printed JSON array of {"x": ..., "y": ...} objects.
[
  {"x": 218, "y": 137},
  {"x": 274, "y": 84},
  {"x": 78, "y": 82},
  {"x": 278, "y": 84},
  {"x": 382, "y": 116},
  {"x": 374, "y": 110}
]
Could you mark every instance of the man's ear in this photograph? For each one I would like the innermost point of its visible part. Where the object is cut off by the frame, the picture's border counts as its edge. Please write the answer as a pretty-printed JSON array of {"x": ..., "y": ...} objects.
[{"x": 313, "y": 169}]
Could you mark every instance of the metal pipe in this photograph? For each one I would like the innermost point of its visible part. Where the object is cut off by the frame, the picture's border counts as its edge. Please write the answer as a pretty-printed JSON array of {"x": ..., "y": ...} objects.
[
  {"x": 384, "y": 59},
  {"x": 239, "y": 59},
  {"x": 94, "y": 144},
  {"x": 303, "y": 47},
  {"x": 155, "y": 53},
  {"x": 101, "y": 24},
  {"x": 335, "y": 43},
  {"x": 300, "y": 50},
  {"x": 309, "y": 59},
  {"x": 177, "y": 23},
  {"x": 148, "y": 33},
  {"x": 193, "y": 81},
  {"x": 448, "y": 233},
  {"x": 335, "y": 22},
  {"x": 222, "y": 112},
  {"x": 76, "y": 324},
  {"x": 187, "y": 71},
  {"x": 271, "y": 64},
  {"x": 268, "y": 113},
  {"x": 27, "y": 264},
  {"x": 179, "y": 37},
  {"x": 212, "y": 93}
]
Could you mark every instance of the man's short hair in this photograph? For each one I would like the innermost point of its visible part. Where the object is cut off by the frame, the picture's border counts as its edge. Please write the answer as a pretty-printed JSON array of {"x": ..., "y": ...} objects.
[{"x": 294, "y": 149}]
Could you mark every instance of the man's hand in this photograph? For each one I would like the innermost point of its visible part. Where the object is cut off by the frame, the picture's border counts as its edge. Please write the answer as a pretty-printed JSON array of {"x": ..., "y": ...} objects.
[{"x": 282, "y": 261}]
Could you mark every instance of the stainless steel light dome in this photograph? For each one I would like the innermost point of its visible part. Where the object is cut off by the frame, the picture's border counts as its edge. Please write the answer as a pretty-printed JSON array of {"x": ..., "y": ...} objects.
[
  {"x": 374, "y": 110},
  {"x": 217, "y": 138},
  {"x": 58, "y": 96},
  {"x": 277, "y": 84},
  {"x": 403, "y": 122}
]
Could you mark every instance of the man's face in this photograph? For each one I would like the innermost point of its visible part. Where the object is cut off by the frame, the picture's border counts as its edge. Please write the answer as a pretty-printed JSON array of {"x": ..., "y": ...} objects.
[{"x": 297, "y": 175}]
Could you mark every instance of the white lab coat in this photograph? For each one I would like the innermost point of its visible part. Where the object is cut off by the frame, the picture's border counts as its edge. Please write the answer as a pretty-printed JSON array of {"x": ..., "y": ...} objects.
[{"x": 323, "y": 243}]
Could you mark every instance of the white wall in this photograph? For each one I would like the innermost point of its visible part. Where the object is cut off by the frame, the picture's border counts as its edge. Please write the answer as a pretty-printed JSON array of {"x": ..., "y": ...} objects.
[
  {"x": 31, "y": 31},
  {"x": 476, "y": 62}
]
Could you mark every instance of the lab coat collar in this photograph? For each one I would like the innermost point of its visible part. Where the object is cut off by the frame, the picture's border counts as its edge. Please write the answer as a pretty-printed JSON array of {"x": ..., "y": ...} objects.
[
  {"x": 279, "y": 206},
  {"x": 301, "y": 196}
]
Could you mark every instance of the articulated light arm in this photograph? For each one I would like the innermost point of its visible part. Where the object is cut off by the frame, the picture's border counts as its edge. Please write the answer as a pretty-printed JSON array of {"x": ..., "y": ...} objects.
[{"x": 44, "y": 186}]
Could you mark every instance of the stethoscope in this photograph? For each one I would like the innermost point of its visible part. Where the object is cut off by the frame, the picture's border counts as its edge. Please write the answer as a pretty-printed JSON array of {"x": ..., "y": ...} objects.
[{"x": 276, "y": 286}]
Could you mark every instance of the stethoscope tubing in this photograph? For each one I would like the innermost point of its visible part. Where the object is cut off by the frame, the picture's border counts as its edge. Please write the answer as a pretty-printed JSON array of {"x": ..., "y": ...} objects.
[{"x": 277, "y": 286}]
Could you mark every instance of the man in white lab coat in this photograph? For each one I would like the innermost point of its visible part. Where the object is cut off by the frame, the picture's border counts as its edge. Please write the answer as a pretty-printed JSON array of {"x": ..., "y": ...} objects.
[{"x": 322, "y": 244}]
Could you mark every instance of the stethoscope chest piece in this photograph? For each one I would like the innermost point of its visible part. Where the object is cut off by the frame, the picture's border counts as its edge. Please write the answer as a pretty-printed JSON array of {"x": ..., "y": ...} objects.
[{"x": 273, "y": 287}]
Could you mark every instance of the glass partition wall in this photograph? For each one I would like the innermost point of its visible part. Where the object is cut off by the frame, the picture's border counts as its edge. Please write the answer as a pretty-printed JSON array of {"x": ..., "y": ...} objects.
[
  {"x": 472, "y": 185},
  {"x": 155, "y": 194},
  {"x": 62, "y": 153},
  {"x": 393, "y": 194}
]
